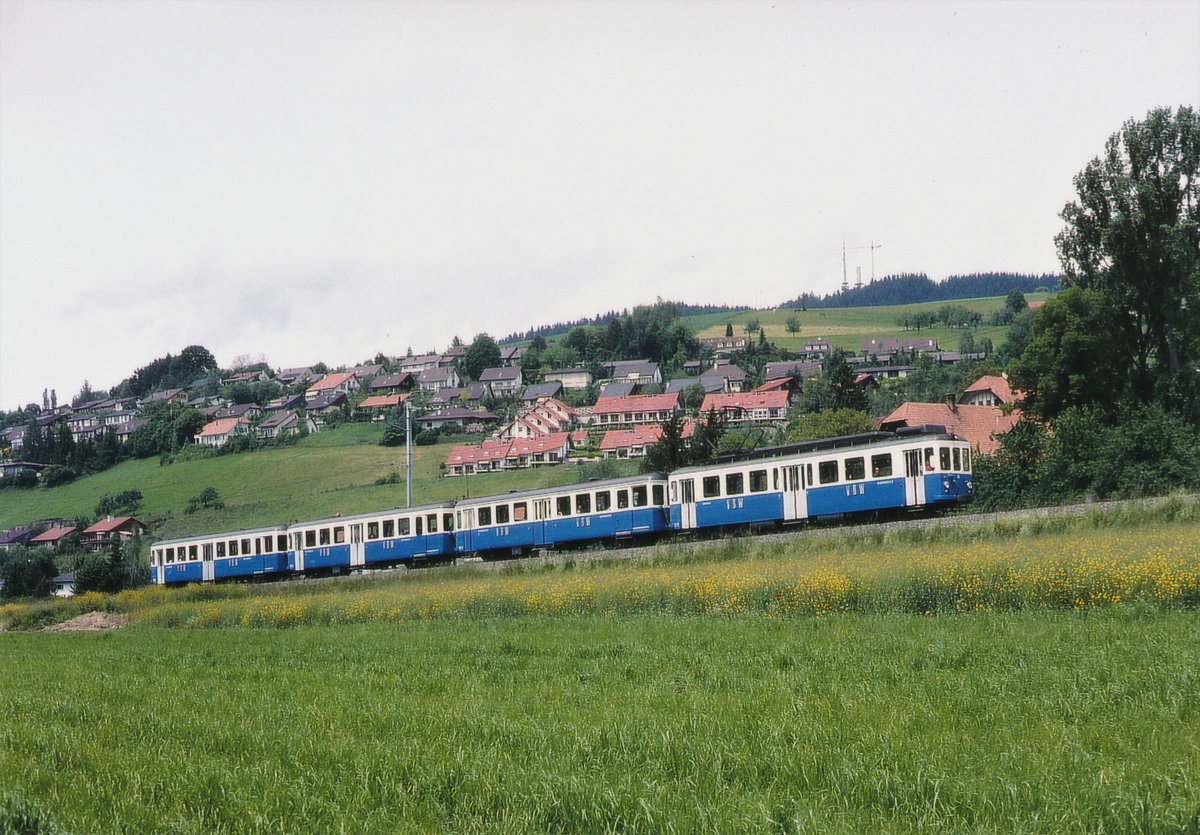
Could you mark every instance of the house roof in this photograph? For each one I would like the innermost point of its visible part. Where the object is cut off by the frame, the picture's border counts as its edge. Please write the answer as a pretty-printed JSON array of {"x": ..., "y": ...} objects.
[
  {"x": 52, "y": 535},
  {"x": 540, "y": 390},
  {"x": 325, "y": 400},
  {"x": 457, "y": 413},
  {"x": 433, "y": 375},
  {"x": 791, "y": 368},
  {"x": 642, "y": 368},
  {"x": 636, "y": 403},
  {"x": 996, "y": 385},
  {"x": 495, "y": 375},
  {"x": 617, "y": 388},
  {"x": 381, "y": 401},
  {"x": 773, "y": 385},
  {"x": 978, "y": 425},
  {"x": 114, "y": 523},
  {"x": 626, "y": 438},
  {"x": 279, "y": 418},
  {"x": 384, "y": 381},
  {"x": 221, "y": 427},
  {"x": 331, "y": 381}
]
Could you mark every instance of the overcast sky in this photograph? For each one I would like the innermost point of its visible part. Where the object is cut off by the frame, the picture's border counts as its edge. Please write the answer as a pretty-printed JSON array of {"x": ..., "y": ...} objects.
[{"x": 308, "y": 181}]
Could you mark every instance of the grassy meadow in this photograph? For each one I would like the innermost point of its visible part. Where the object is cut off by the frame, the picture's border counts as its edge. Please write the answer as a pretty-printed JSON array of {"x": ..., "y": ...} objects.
[{"x": 1032, "y": 674}]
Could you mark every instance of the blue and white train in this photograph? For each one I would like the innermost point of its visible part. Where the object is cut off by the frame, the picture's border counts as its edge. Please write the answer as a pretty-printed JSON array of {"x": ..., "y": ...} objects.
[{"x": 911, "y": 469}]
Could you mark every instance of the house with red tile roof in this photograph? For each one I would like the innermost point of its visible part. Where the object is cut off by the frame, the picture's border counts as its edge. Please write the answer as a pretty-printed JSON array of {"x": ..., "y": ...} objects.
[
  {"x": 222, "y": 431},
  {"x": 988, "y": 391},
  {"x": 980, "y": 426},
  {"x": 52, "y": 538},
  {"x": 377, "y": 404},
  {"x": 634, "y": 409},
  {"x": 112, "y": 529},
  {"x": 749, "y": 407},
  {"x": 345, "y": 382},
  {"x": 632, "y": 443},
  {"x": 511, "y": 454}
]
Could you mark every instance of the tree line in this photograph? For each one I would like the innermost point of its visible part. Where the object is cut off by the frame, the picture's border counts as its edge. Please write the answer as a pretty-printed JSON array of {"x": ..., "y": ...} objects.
[{"x": 915, "y": 288}]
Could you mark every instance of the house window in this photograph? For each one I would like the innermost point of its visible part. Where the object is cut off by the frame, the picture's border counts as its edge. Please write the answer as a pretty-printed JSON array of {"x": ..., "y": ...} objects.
[
  {"x": 827, "y": 472},
  {"x": 881, "y": 465},
  {"x": 856, "y": 469},
  {"x": 712, "y": 486}
]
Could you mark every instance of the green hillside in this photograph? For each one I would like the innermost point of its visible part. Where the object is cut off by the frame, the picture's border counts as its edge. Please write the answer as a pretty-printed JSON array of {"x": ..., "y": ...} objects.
[{"x": 335, "y": 471}]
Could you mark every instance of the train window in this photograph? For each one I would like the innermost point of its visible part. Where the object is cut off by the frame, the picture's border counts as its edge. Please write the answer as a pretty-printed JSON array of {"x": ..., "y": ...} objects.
[
  {"x": 774, "y": 478},
  {"x": 170, "y": 555},
  {"x": 622, "y": 499},
  {"x": 944, "y": 458},
  {"x": 418, "y": 524},
  {"x": 583, "y": 503},
  {"x": 220, "y": 549},
  {"x": 966, "y": 460},
  {"x": 431, "y": 523},
  {"x": 881, "y": 465},
  {"x": 485, "y": 516},
  {"x": 563, "y": 505},
  {"x": 712, "y": 486},
  {"x": 734, "y": 484},
  {"x": 403, "y": 526},
  {"x": 323, "y": 536},
  {"x": 639, "y": 496},
  {"x": 758, "y": 481},
  {"x": 447, "y": 522},
  {"x": 674, "y": 491},
  {"x": 501, "y": 514},
  {"x": 856, "y": 469},
  {"x": 372, "y": 530},
  {"x": 246, "y": 549},
  {"x": 339, "y": 535},
  {"x": 810, "y": 481},
  {"x": 603, "y": 501},
  {"x": 827, "y": 472},
  {"x": 389, "y": 528},
  {"x": 929, "y": 458},
  {"x": 957, "y": 459},
  {"x": 520, "y": 512},
  {"x": 658, "y": 495},
  {"x": 310, "y": 539},
  {"x": 233, "y": 548},
  {"x": 192, "y": 552},
  {"x": 281, "y": 542}
]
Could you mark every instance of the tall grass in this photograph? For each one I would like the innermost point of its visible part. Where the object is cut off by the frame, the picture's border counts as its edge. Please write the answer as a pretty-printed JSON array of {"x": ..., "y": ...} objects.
[{"x": 1049, "y": 721}]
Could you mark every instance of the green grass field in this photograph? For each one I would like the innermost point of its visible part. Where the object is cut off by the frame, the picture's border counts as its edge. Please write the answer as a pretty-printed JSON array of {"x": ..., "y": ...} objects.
[
  {"x": 1031, "y": 674},
  {"x": 990, "y": 722}
]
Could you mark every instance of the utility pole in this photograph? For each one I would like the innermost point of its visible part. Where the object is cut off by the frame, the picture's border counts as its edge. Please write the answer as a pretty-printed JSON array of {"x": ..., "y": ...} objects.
[{"x": 408, "y": 448}]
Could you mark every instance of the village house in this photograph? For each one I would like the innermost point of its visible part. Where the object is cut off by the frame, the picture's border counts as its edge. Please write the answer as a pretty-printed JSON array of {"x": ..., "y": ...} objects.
[
  {"x": 294, "y": 376},
  {"x": 635, "y": 409},
  {"x": 642, "y": 372},
  {"x": 53, "y": 538},
  {"x": 980, "y": 426},
  {"x": 113, "y": 529},
  {"x": 471, "y": 420},
  {"x": 287, "y": 422},
  {"x": 725, "y": 344},
  {"x": 793, "y": 369},
  {"x": 325, "y": 404},
  {"x": 415, "y": 365},
  {"x": 221, "y": 431},
  {"x": 571, "y": 378},
  {"x": 439, "y": 377},
  {"x": 509, "y": 454},
  {"x": 393, "y": 383},
  {"x": 249, "y": 411},
  {"x": 988, "y": 391},
  {"x": 542, "y": 419},
  {"x": 470, "y": 396},
  {"x": 377, "y": 405},
  {"x": 631, "y": 443},
  {"x": 541, "y": 391},
  {"x": 734, "y": 378},
  {"x": 345, "y": 382},
  {"x": 749, "y": 407},
  {"x": 502, "y": 382}
]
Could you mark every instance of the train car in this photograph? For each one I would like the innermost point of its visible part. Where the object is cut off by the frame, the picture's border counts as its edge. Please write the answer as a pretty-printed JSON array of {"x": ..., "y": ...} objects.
[
  {"x": 259, "y": 552},
  {"x": 831, "y": 478},
  {"x": 610, "y": 510},
  {"x": 402, "y": 535}
]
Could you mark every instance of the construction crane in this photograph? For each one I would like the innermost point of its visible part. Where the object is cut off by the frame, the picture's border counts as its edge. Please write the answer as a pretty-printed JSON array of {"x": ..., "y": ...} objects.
[{"x": 845, "y": 281}]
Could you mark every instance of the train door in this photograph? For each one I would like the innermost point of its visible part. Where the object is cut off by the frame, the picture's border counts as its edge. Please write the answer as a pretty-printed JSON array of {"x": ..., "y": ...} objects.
[
  {"x": 914, "y": 479},
  {"x": 541, "y": 513},
  {"x": 687, "y": 504},
  {"x": 357, "y": 548},
  {"x": 795, "y": 500},
  {"x": 207, "y": 570},
  {"x": 298, "y": 548}
]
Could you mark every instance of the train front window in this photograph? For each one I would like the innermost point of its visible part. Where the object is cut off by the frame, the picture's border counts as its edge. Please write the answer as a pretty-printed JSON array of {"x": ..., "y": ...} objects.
[
  {"x": 944, "y": 458},
  {"x": 966, "y": 460}
]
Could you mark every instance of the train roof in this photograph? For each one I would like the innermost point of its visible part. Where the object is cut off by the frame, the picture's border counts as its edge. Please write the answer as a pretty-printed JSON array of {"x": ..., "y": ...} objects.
[
  {"x": 391, "y": 511},
  {"x": 597, "y": 484},
  {"x": 220, "y": 535}
]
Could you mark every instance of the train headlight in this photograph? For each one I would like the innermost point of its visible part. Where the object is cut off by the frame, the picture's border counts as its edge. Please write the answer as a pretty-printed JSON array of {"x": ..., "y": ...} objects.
[{"x": 946, "y": 485}]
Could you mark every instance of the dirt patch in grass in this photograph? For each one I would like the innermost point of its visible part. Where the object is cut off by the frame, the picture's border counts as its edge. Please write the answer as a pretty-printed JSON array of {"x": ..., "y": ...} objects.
[{"x": 91, "y": 622}]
